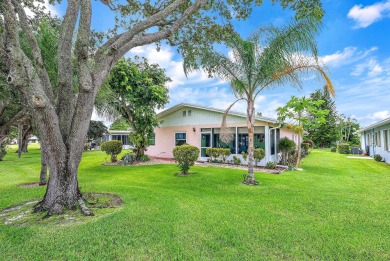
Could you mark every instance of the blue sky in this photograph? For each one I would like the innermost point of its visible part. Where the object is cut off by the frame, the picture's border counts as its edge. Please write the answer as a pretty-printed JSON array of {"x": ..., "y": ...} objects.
[{"x": 354, "y": 46}]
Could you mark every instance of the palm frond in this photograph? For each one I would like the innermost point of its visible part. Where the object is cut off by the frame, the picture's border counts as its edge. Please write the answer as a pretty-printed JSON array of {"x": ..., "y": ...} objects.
[{"x": 226, "y": 134}]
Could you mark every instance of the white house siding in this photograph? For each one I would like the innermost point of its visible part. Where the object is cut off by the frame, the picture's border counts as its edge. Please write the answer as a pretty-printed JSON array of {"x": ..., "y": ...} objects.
[
  {"x": 198, "y": 117},
  {"x": 375, "y": 148}
]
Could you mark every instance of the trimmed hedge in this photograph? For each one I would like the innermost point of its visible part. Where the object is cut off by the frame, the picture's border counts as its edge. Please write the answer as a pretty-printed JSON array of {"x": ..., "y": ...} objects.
[
  {"x": 185, "y": 155},
  {"x": 333, "y": 149},
  {"x": 258, "y": 154},
  {"x": 344, "y": 148},
  {"x": 112, "y": 148},
  {"x": 378, "y": 157},
  {"x": 218, "y": 153}
]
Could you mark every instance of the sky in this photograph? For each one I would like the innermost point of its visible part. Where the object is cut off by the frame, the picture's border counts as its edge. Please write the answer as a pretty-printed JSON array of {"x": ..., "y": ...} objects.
[{"x": 354, "y": 45}]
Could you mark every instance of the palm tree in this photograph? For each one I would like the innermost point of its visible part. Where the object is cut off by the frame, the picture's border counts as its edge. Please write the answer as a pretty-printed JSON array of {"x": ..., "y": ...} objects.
[{"x": 269, "y": 58}]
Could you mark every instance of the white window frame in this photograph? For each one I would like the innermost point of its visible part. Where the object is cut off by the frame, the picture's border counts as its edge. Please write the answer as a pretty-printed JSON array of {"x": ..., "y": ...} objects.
[
  {"x": 378, "y": 139},
  {"x": 182, "y": 132},
  {"x": 386, "y": 144},
  {"x": 369, "y": 140}
]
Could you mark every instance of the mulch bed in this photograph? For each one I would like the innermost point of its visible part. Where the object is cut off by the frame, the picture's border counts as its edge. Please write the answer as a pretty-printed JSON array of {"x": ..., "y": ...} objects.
[
  {"x": 152, "y": 161},
  {"x": 155, "y": 161},
  {"x": 29, "y": 185},
  {"x": 277, "y": 170}
]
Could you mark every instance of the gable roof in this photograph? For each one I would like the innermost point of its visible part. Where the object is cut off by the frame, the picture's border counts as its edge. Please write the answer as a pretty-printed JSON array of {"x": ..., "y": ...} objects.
[
  {"x": 195, "y": 106},
  {"x": 378, "y": 124}
]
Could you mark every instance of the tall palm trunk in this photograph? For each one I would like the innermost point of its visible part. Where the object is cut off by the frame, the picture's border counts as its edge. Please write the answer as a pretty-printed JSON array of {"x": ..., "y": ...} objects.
[{"x": 251, "y": 130}]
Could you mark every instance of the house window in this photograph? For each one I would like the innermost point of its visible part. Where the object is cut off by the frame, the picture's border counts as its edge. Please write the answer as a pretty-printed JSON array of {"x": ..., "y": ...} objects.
[
  {"x": 184, "y": 113},
  {"x": 152, "y": 139},
  {"x": 123, "y": 138},
  {"x": 369, "y": 141},
  {"x": 189, "y": 112},
  {"x": 386, "y": 139},
  {"x": 378, "y": 138},
  {"x": 180, "y": 139}
]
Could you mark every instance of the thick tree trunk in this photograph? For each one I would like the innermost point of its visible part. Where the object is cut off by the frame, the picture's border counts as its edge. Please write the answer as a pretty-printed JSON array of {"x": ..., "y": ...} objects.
[
  {"x": 43, "y": 174},
  {"x": 251, "y": 130}
]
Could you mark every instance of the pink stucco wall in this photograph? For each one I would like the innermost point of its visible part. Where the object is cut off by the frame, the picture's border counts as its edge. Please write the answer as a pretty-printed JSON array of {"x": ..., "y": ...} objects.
[
  {"x": 284, "y": 132},
  {"x": 165, "y": 140},
  {"x": 165, "y": 137}
]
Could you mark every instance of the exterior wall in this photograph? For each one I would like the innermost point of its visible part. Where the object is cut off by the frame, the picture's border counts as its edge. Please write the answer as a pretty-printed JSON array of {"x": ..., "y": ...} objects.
[
  {"x": 165, "y": 139},
  {"x": 198, "y": 117},
  {"x": 375, "y": 148}
]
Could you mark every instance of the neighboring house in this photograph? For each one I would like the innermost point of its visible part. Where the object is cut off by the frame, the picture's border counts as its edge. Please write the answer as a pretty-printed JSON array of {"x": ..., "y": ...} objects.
[
  {"x": 122, "y": 135},
  {"x": 200, "y": 126},
  {"x": 33, "y": 139},
  {"x": 375, "y": 139}
]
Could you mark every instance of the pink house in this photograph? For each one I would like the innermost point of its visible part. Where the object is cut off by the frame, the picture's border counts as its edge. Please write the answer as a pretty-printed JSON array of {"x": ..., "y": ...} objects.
[{"x": 200, "y": 126}]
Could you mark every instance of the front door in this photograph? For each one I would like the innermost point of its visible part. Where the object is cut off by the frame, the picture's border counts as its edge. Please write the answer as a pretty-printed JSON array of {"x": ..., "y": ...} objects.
[{"x": 205, "y": 143}]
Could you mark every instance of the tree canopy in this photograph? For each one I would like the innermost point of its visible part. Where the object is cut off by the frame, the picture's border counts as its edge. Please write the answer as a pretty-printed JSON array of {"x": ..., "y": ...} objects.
[
  {"x": 138, "y": 90},
  {"x": 302, "y": 112}
]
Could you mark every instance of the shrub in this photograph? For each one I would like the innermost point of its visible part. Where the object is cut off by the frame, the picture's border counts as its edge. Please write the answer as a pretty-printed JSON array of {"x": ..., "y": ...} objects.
[
  {"x": 310, "y": 142},
  {"x": 270, "y": 165},
  {"x": 286, "y": 146},
  {"x": 3, "y": 150},
  {"x": 306, "y": 147},
  {"x": 236, "y": 160},
  {"x": 144, "y": 158},
  {"x": 333, "y": 149},
  {"x": 344, "y": 148},
  {"x": 128, "y": 158},
  {"x": 258, "y": 154},
  {"x": 378, "y": 157},
  {"x": 213, "y": 153},
  {"x": 244, "y": 155},
  {"x": 112, "y": 148},
  {"x": 87, "y": 146},
  {"x": 185, "y": 155},
  {"x": 225, "y": 153}
]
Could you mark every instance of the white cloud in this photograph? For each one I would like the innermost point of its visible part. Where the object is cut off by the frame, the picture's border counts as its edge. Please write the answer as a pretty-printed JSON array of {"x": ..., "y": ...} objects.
[
  {"x": 349, "y": 55},
  {"x": 379, "y": 115},
  {"x": 372, "y": 67},
  {"x": 174, "y": 69},
  {"x": 365, "y": 16},
  {"x": 48, "y": 8}
]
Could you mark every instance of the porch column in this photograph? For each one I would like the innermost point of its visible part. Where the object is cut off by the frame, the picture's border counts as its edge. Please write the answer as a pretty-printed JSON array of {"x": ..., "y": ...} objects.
[
  {"x": 236, "y": 141},
  {"x": 267, "y": 144}
]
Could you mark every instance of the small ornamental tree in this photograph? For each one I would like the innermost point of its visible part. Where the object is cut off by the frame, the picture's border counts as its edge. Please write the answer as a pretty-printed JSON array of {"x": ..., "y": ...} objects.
[
  {"x": 185, "y": 155},
  {"x": 96, "y": 130},
  {"x": 286, "y": 146},
  {"x": 258, "y": 155},
  {"x": 112, "y": 148},
  {"x": 302, "y": 112}
]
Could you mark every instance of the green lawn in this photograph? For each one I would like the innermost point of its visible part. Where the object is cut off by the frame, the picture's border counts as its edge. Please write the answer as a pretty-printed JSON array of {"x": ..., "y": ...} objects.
[{"x": 336, "y": 208}]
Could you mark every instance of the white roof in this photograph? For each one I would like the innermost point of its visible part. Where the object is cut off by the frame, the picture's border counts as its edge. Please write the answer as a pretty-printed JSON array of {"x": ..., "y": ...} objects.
[
  {"x": 239, "y": 114},
  {"x": 378, "y": 124}
]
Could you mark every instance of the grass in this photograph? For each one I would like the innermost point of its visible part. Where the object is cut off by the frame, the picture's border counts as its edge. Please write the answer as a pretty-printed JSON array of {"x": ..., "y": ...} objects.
[{"x": 337, "y": 208}]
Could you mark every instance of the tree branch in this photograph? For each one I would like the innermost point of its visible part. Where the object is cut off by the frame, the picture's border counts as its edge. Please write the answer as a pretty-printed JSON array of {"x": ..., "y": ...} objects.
[
  {"x": 82, "y": 46},
  {"x": 18, "y": 116},
  {"x": 133, "y": 39},
  {"x": 65, "y": 67},
  {"x": 36, "y": 52}
]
